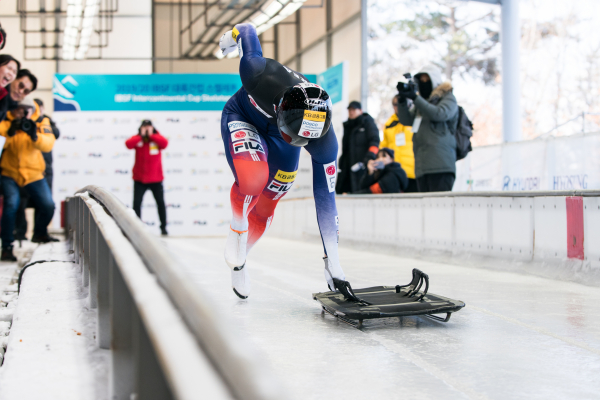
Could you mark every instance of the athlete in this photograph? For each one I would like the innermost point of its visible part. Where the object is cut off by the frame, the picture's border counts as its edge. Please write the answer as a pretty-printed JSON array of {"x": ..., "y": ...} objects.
[{"x": 264, "y": 126}]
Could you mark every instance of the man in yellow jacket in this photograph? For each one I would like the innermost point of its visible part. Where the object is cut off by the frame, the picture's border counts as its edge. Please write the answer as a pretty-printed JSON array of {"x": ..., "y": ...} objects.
[
  {"x": 399, "y": 138},
  {"x": 23, "y": 166}
]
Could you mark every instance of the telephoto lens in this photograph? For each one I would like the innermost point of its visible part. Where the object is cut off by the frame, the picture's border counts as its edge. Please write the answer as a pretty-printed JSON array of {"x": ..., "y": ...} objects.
[{"x": 26, "y": 125}]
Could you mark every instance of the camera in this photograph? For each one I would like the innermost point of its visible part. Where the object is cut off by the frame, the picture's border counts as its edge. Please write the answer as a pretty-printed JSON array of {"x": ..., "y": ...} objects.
[
  {"x": 407, "y": 86},
  {"x": 27, "y": 125}
]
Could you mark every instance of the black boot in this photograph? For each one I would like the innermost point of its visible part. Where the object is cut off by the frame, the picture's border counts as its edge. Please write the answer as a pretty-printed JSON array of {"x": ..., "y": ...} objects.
[
  {"x": 44, "y": 239},
  {"x": 163, "y": 232},
  {"x": 7, "y": 254}
]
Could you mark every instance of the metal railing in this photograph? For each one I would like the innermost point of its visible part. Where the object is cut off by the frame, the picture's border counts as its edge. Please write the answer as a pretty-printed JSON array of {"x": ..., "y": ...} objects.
[{"x": 165, "y": 340}]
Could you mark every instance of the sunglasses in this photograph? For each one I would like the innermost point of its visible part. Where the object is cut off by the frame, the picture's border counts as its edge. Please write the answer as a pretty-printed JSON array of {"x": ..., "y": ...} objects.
[{"x": 23, "y": 89}]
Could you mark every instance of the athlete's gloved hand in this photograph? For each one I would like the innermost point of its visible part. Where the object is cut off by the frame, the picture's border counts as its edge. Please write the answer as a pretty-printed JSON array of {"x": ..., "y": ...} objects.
[{"x": 227, "y": 43}]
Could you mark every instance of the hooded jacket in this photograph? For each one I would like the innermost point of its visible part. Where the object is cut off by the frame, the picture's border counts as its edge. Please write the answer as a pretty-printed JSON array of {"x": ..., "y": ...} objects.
[
  {"x": 434, "y": 144},
  {"x": 391, "y": 179},
  {"x": 22, "y": 158},
  {"x": 394, "y": 134},
  {"x": 148, "y": 157},
  {"x": 360, "y": 143}
]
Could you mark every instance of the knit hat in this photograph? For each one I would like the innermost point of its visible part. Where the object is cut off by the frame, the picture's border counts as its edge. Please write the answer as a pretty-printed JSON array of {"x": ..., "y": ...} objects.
[{"x": 387, "y": 150}]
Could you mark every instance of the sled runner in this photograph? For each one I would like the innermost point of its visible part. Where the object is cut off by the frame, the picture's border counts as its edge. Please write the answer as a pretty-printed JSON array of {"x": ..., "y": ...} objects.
[{"x": 354, "y": 306}]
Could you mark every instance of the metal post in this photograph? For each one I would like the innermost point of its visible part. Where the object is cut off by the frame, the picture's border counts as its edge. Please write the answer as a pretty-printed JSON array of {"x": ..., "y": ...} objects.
[
  {"x": 511, "y": 88},
  {"x": 364, "y": 56},
  {"x": 103, "y": 292},
  {"x": 86, "y": 245},
  {"x": 122, "y": 369},
  {"x": 151, "y": 383},
  {"x": 93, "y": 263},
  {"x": 328, "y": 28}
]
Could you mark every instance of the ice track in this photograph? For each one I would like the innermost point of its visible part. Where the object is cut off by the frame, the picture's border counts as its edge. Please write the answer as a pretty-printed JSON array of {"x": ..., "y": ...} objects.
[{"x": 519, "y": 336}]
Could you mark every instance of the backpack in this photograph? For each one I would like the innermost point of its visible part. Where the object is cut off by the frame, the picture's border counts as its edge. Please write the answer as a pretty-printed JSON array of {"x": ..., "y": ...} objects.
[{"x": 463, "y": 133}]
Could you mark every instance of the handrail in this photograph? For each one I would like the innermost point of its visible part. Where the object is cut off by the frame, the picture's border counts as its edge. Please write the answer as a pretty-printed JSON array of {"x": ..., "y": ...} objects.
[{"x": 236, "y": 363}]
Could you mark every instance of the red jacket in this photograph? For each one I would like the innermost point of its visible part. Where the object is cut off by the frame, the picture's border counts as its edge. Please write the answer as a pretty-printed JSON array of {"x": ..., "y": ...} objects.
[{"x": 148, "y": 160}]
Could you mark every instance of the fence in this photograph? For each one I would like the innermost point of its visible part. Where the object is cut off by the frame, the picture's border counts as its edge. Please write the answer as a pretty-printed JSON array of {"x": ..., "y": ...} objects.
[
  {"x": 164, "y": 339},
  {"x": 559, "y": 231}
]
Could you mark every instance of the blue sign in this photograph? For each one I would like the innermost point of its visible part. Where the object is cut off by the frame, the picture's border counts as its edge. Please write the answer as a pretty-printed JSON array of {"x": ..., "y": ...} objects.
[
  {"x": 332, "y": 81},
  {"x": 156, "y": 92}
]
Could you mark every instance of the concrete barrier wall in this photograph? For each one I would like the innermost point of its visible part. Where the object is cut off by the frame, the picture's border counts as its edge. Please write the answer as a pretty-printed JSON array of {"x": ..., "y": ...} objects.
[{"x": 555, "y": 234}]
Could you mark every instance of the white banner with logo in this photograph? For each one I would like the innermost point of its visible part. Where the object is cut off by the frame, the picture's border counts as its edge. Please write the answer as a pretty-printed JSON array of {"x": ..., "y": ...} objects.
[{"x": 563, "y": 163}]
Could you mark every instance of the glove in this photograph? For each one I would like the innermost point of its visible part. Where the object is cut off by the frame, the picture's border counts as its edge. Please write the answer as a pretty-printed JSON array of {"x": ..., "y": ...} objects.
[
  {"x": 407, "y": 93},
  {"x": 227, "y": 43},
  {"x": 14, "y": 127}
]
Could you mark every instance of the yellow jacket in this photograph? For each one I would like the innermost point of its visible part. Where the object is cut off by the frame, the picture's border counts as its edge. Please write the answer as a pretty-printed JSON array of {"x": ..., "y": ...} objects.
[
  {"x": 403, "y": 153},
  {"x": 22, "y": 158}
]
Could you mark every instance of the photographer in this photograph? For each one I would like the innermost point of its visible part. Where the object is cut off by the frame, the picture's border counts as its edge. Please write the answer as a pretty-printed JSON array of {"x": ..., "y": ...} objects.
[
  {"x": 147, "y": 170},
  {"x": 23, "y": 167},
  {"x": 433, "y": 117},
  {"x": 399, "y": 138},
  {"x": 9, "y": 68},
  {"x": 360, "y": 144},
  {"x": 384, "y": 175}
]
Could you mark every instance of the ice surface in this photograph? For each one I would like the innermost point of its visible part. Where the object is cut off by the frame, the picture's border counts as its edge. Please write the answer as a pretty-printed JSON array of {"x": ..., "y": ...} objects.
[{"x": 519, "y": 336}]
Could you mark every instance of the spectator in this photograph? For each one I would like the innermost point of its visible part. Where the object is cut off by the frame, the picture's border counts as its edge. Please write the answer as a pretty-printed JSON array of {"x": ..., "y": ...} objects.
[
  {"x": 21, "y": 221},
  {"x": 23, "y": 167},
  {"x": 384, "y": 175},
  {"x": 398, "y": 138},
  {"x": 433, "y": 118},
  {"x": 9, "y": 68},
  {"x": 360, "y": 144},
  {"x": 24, "y": 84},
  {"x": 147, "y": 170}
]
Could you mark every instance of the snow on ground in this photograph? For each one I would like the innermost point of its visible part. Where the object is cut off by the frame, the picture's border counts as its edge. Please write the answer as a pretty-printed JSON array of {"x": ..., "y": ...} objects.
[
  {"x": 519, "y": 336},
  {"x": 52, "y": 351}
]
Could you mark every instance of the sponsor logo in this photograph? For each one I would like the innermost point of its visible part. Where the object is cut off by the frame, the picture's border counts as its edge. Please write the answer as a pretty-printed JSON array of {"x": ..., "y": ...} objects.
[
  {"x": 250, "y": 146},
  {"x": 237, "y": 125},
  {"x": 150, "y": 223},
  {"x": 219, "y": 205},
  {"x": 330, "y": 175},
  {"x": 121, "y": 171},
  {"x": 95, "y": 155},
  {"x": 62, "y": 155},
  {"x": 95, "y": 120},
  {"x": 203, "y": 171},
  {"x": 91, "y": 138},
  {"x": 68, "y": 138},
  {"x": 176, "y": 222},
  {"x": 119, "y": 155},
  {"x": 195, "y": 206},
  {"x": 173, "y": 155},
  {"x": 173, "y": 205},
  {"x": 174, "y": 171},
  {"x": 283, "y": 176},
  {"x": 218, "y": 171},
  {"x": 224, "y": 222},
  {"x": 244, "y": 135},
  {"x": 174, "y": 189},
  {"x": 279, "y": 187},
  {"x": 119, "y": 137},
  {"x": 88, "y": 172},
  {"x": 70, "y": 172},
  {"x": 193, "y": 188},
  {"x": 198, "y": 137},
  {"x": 173, "y": 120},
  {"x": 318, "y": 116},
  {"x": 192, "y": 155},
  {"x": 197, "y": 222}
]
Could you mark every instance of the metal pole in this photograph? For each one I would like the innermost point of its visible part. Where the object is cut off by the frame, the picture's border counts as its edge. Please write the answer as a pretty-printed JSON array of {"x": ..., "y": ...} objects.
[
  {"x": 511, "y": 88},
  {"x": 364, "y": 57}
]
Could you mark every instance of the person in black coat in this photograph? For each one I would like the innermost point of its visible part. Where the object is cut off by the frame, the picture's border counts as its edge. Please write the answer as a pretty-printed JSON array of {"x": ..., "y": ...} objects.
[
  {"x": 384, "y": 175},
  {"x": 360, "y": 144}
]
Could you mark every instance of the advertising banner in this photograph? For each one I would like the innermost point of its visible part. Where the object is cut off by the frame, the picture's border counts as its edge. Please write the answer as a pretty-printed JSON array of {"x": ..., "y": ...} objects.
[
  {"x": 96, "y": 114},
  {"x": 562, "y": 163}
]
